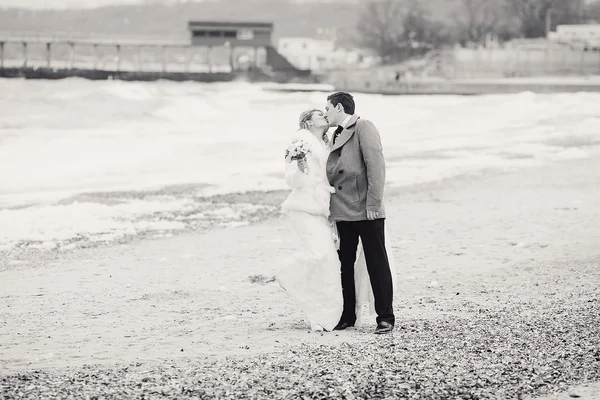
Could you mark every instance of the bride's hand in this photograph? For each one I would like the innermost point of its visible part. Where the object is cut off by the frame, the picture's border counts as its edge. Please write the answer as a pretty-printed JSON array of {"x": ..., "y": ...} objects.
[{"x": 302, "y": 165}]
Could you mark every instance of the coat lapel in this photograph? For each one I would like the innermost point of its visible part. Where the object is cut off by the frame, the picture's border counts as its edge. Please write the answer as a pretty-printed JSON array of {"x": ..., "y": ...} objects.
[{"x": 346, "y": 133}]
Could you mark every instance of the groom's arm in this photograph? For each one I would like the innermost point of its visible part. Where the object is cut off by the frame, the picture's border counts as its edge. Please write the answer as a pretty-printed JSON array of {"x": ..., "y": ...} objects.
[{"x": 372, "y": 153}]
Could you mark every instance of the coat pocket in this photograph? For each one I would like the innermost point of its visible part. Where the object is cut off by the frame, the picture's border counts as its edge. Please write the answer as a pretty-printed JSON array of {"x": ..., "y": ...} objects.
[{"x": 354, "y": 194}]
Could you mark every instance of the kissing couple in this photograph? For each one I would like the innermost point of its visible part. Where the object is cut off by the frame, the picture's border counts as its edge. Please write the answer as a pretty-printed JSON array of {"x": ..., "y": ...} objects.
[{"x": 343, "y": 267}]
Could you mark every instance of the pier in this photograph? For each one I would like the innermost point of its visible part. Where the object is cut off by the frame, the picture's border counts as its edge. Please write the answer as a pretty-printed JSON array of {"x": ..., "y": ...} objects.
[{"x": 213, "y": 51}]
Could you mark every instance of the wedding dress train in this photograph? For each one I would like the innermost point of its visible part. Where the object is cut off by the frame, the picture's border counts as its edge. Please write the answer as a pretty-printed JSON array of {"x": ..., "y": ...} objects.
[
  {"x": 312, "y": 275},
  {"x": 365, "y": 301}
]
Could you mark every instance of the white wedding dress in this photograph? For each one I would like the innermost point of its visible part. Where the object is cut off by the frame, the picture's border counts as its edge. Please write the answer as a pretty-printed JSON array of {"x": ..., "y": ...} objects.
[{"x": 312, "y": 275}]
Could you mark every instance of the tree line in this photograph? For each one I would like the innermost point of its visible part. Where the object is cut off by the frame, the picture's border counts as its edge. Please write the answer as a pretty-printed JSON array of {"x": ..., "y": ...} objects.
[{"x": 398, "y": 29}]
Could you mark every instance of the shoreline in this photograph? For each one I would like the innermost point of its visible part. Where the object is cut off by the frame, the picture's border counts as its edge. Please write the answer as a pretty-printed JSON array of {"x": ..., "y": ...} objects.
[
  {"x": 284, "y": 81},
  {"x": 200, "y": 212},
  {"x": 475, "y": 86},
  {"x": 53, "y": 73},
  {"x": 268, "y": 204}
]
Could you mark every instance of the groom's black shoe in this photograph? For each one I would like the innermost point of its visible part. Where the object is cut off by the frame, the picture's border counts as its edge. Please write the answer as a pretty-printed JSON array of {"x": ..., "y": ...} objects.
[
  {"x": 343, "y": 325},
  {"x": 384, "y": 327}
]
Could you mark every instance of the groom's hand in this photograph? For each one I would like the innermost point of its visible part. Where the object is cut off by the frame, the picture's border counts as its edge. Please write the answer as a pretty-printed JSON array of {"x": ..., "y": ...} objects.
[{"x": 371, "y": 215}]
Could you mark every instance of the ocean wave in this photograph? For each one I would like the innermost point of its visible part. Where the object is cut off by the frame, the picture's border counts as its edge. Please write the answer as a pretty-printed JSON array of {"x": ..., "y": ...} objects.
[{"x": 61, "y": 138}]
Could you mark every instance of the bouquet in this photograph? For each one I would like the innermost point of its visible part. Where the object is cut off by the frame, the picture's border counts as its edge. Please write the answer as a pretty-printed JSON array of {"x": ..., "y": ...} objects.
[{"x": 297, "y": 151}]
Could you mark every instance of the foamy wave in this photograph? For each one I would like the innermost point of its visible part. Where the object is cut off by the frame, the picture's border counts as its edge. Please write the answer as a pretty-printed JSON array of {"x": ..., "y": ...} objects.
[
  {"x": 81, "y": 224},
  {"x": 60, "y": 138}
]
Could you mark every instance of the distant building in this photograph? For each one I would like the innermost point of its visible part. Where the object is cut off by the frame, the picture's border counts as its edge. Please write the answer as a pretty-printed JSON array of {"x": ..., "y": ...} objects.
[
  {"x": 247, "y": 34},
  {"x": 306, "y": 53},
  {"x": 322, "y": 54},
  {"x": 586, "y": 36},
  {"x": 248, "y": 44}
]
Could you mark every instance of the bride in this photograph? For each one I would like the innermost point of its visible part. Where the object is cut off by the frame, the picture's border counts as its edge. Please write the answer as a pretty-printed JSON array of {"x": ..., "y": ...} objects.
[{"x": 312, "y": 276}]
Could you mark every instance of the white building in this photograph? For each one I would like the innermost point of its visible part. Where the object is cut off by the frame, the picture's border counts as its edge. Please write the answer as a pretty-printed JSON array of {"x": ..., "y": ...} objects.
[
  {"x": 577, "y": 35},
  {"x": 321, "y": 55},
  {"x": 306, "y": 53}
]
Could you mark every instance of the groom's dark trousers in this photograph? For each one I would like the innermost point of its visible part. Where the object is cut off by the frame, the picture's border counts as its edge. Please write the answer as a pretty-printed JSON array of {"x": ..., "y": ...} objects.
[{"x": 372, "y": 235}]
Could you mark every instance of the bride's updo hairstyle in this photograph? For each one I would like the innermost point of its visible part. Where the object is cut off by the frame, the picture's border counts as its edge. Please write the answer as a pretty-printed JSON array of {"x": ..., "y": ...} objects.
[{"x": 305, "y": 117}]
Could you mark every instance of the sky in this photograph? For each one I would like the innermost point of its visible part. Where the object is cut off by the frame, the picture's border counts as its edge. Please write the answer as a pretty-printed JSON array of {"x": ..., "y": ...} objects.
[{"x": 42, "y": 4}]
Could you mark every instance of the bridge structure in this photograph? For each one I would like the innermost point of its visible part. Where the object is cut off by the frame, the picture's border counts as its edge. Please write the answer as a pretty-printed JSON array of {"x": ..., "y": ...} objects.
[
  {"x": 74, "y": 41},
  {"x": 248, "y": 45}
]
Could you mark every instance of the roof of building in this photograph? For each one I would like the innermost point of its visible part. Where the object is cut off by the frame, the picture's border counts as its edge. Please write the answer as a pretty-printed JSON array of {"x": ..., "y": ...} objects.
[{"x": 229, "y": 24}]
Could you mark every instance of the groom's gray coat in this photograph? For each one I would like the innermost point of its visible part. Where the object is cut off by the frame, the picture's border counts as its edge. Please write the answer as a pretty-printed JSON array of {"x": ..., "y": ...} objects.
[{"x": 356, "y": 169}]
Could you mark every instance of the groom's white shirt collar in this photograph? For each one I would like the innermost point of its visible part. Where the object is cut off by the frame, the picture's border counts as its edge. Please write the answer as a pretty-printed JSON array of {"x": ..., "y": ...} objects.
[{"x": 344, "y": 124}]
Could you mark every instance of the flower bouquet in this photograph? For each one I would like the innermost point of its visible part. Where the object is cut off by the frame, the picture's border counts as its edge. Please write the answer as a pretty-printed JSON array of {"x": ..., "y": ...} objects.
[{"x": 297, "y": 151}]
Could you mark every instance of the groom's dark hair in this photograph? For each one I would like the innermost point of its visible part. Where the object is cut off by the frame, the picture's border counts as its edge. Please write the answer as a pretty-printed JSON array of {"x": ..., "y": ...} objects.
[{"x": 345, "y": 99}]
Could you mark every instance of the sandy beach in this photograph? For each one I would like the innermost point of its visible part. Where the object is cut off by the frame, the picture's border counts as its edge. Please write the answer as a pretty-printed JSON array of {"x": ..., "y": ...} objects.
[{"x": 479, "y": 256}]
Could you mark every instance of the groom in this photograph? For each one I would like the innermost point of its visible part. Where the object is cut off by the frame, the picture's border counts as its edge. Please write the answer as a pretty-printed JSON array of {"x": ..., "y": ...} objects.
[{"x": 356, "y": 168}]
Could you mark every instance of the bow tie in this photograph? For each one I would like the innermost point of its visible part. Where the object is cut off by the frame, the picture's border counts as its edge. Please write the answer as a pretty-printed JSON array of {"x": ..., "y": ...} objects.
[{"x": 337, "y": 132}]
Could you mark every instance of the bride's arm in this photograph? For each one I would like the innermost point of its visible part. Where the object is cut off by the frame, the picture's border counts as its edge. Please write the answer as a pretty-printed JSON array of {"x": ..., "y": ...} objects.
[{"x": 294, "y": 178}]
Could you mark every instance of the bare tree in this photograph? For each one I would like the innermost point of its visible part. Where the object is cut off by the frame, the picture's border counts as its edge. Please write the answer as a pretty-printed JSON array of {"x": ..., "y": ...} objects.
[
  {"x": 397, "y": 29},
  {"x": 538, "y": 16},
  {"x": 476, "y": 19},
  {"x": 381, "y": 26},
  {"x": 592, "y": 11}
]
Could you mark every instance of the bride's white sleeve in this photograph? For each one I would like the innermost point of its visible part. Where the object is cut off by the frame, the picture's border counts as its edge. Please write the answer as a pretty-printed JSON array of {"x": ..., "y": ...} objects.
[{"x": 294, "y": 178}]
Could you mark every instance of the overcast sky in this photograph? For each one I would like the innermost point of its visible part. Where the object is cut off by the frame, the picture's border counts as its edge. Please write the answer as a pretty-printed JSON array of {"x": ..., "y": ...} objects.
[{"x": 40, "y": 4}]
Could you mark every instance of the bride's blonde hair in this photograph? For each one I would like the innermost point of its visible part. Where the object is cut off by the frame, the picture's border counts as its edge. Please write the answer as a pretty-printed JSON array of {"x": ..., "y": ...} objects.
[{"x": 305, "y": 117}]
